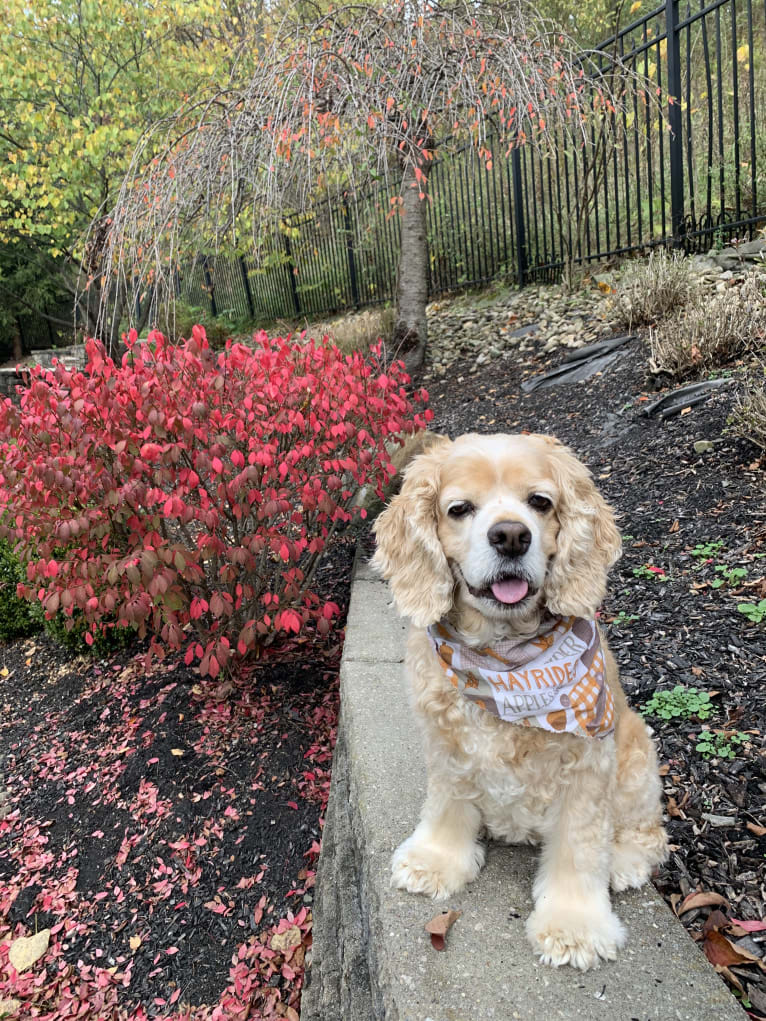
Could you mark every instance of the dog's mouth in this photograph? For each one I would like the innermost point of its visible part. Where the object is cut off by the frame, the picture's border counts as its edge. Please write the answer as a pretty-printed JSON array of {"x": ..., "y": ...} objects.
[{"x": 508, "y": 590}]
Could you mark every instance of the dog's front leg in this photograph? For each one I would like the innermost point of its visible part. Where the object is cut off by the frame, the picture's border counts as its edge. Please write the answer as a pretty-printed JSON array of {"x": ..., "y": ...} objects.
[
  {"x": 443, "y": 853},
  {"x": 573, "y": 922}
]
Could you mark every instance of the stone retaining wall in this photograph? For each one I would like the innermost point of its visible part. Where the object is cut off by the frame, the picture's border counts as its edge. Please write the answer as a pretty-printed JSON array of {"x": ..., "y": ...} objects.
[{"x": 73, "y": 357}]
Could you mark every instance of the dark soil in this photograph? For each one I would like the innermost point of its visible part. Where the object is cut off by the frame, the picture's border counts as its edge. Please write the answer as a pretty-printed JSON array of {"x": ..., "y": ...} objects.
[
  {"x": 162, "y": 825},
  {"x": 668, "y": 626}
]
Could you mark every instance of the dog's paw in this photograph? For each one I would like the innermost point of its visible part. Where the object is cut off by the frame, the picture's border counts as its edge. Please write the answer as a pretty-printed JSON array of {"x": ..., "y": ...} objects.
[
  {"x": 634, "y": 855},
  {"x": 435, "y": 871},
  {"x": 581, "y": 937}
]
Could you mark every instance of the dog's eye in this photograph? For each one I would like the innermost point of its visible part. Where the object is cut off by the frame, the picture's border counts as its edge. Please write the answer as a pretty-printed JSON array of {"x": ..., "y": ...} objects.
[
  {"x": 540, "y": 503},
  {"x": 460, "y": 509}
]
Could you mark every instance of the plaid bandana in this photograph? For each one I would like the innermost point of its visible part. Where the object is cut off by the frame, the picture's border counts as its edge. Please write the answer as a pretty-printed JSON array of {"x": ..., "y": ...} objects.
[{"x": 554, "y": 681}]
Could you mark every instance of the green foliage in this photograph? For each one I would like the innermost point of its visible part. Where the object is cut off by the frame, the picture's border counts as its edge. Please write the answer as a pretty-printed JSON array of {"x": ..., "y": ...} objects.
[
  {"x": 70, "y": 632},
  {"x": 679, "y": 702},
  {"x": 81, "y": 80},
  {"x": 590, "y": 21},
  {"x": 648, "y": 572},
  {"x": 624, "y": 618},
  {"x": 705, "y": 550},
  {"x": 730, "y": 576},
  {"x": 177, "y": 324},
  {"x": 718, "y": 745},
  {"x": 16, "y": 616},
  {"x": 755, "y": 612}
]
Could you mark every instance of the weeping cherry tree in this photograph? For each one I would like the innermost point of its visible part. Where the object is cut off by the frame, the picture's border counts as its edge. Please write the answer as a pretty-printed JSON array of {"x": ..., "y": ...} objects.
[{"x": 354, "y": 94}]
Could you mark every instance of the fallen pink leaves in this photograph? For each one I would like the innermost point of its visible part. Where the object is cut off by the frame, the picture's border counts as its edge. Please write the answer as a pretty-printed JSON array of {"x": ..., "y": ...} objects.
[{"x": 147, "y": 864}]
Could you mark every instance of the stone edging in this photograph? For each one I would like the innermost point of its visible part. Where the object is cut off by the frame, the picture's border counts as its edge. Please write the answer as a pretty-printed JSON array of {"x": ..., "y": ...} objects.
[{"x": 372, "y": 961}]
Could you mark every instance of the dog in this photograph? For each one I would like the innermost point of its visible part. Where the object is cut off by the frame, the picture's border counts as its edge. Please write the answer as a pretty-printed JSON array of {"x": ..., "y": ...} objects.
[{"x": 497, "y": 548}]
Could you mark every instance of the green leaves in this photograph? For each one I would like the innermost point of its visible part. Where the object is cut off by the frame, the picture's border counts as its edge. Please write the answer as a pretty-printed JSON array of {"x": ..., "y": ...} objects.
[
  {"x": 720, "y": 744},
  {"x": 680, "y": 702},
  {"x": 80, "y": 86},
  {"x": 730, "y": 576},
  {"x": 755, "y": 612}
]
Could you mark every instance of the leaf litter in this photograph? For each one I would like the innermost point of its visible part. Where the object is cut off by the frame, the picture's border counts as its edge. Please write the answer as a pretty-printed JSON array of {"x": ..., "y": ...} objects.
[{"x": 174, "y": 886}]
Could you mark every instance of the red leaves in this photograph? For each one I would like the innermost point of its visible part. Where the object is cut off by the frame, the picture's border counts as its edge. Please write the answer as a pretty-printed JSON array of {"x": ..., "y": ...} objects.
[{"x": 173, "y": 448}]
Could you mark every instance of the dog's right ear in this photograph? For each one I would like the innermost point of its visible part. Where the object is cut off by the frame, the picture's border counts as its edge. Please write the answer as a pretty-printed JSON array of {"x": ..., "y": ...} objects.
[{"x": 409, "y": 553}]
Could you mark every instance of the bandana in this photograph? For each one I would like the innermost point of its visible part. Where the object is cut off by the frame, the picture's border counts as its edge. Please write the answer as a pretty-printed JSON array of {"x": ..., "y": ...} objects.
[{"x": 554, "y": 681}]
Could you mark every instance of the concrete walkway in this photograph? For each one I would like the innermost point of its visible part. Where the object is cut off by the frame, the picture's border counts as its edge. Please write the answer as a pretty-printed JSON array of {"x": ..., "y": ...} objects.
[{"x": 371, "y": 957}]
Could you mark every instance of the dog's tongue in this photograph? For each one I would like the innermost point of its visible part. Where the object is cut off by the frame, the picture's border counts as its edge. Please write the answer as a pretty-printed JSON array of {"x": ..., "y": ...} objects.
[{"x": 512, "y": 590}]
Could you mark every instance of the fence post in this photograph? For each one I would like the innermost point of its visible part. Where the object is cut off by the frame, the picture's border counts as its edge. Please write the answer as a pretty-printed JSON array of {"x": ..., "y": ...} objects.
[
  {"x": 350, "y": 255},
  {"x": 210, "y": 289},
  {"x": 291, "y": 274},
  {"x": 673, "y": 38},
  {"x": 246, "y": 282},
  {"x": 518, "y": 217}
]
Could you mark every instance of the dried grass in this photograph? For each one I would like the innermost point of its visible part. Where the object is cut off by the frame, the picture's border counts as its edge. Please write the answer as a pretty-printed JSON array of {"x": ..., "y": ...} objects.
[
  {"x": 355, "y": 332},
  {"x": 711, "y": 332},
  {"x": 652, "y": 288},
  {"x": 749, "y": 417}
]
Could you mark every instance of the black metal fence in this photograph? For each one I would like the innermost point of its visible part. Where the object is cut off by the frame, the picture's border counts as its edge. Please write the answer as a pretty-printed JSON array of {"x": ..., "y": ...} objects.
[{"x": 694, "y": 180}]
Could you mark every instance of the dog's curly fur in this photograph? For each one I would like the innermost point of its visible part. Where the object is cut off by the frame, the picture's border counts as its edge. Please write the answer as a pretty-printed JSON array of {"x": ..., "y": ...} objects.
[{"x": 594, "y": 805}]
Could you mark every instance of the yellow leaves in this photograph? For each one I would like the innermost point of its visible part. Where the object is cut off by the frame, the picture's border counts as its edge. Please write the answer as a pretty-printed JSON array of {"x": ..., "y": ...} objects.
[
  {"x": 635, "y": 6},
  {"x": 743, "y": 53}
]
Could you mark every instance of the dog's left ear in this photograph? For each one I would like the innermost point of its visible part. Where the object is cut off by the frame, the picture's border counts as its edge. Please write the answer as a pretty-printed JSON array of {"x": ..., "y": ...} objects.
[
  {"x": 409, "y": 552},
  {"x": 588, "y": 542}
]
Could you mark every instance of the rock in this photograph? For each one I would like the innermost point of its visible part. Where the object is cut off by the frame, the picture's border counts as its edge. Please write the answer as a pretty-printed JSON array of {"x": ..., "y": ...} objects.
[
  {"x": 525, "y": 331},
  {"x": 26, "y": 950},
  {"x": 704, "y": 263},
  {"x": 727, "y": 275},
  {"x": 752, "y": 249},
  {"x": 702, "y": 446}
]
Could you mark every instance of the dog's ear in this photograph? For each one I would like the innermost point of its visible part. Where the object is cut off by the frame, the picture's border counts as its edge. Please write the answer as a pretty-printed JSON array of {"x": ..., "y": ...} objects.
[
  {"x": 409, "y": 553},
  {"x": 588, "y": 542}
]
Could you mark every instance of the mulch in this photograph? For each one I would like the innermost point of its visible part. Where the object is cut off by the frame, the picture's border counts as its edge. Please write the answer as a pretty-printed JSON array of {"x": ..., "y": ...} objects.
[
  {"x": 668, "y": 625},
  {"x": 166, "y": 827}
]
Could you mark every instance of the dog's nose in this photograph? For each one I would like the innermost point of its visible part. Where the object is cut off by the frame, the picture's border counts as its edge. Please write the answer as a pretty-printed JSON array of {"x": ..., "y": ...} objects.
[{"x": 511, "y": 538}]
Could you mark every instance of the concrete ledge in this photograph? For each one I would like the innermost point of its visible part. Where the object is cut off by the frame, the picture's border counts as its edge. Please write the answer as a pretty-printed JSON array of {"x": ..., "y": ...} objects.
[{"x": 372, "y": 961}]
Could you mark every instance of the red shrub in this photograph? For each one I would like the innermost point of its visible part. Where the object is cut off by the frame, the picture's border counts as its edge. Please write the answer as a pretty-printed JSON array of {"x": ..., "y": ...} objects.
[{"x": 192, "y": 495}]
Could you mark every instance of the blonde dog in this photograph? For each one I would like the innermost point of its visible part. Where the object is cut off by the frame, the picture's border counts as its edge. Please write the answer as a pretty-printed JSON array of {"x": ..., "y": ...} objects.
[{"x": 498, "y": 548}]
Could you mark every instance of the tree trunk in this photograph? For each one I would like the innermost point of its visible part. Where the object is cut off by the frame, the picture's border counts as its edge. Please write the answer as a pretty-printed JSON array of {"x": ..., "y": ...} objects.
[
  {"x": 18, "y": 346},
  {"x": 410, "y": 331}
]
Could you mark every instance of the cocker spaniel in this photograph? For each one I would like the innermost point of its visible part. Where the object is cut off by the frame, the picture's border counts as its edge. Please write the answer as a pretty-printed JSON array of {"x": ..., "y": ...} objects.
[{"x": 497, "y": 548}]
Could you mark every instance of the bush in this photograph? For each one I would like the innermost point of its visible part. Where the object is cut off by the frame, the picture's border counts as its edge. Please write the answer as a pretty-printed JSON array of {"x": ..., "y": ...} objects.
[
  {"x": 177, "y": 324},
  {"x": 190, "y": 495},
  {"x": 712, "y": 332},
  {"x": 16, "y": 617},
  {"x": 652, "y": 288},
  {"x": 749, "y": 416},
  {"x": 72, "y": 631},
  {"x": 358, "y": 330}
]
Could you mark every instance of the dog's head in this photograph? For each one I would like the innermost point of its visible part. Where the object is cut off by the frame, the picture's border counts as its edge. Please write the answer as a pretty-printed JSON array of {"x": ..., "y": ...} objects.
[{"x": 505, "y": 525}]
